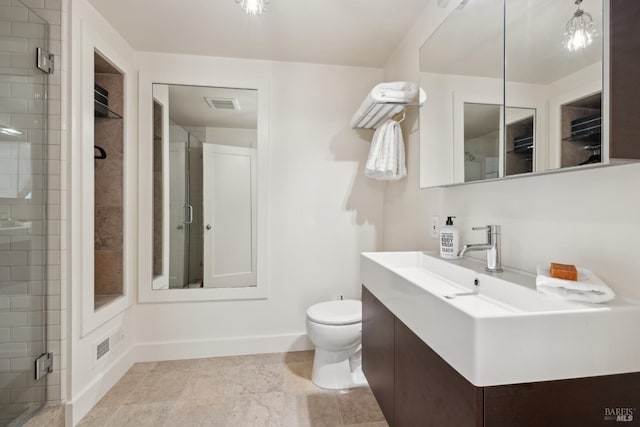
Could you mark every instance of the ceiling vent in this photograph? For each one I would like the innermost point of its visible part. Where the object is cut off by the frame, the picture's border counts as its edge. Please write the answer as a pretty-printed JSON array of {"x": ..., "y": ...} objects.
[{"x": 223, "y": 104}]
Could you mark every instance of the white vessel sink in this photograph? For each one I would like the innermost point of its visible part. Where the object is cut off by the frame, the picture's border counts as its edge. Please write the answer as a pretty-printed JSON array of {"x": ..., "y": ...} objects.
[{"x": 506, "y": 332}]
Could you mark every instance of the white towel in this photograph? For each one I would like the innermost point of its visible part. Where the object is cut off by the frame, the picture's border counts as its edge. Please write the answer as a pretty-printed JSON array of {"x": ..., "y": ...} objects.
[
  {"x": 588, "y": 287},
  {"x": 384, "y": 92},
  {"x": 386, "y": 160}
]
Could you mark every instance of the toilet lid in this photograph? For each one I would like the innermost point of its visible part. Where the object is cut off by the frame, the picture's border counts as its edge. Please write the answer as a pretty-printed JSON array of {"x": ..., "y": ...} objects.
[{"x": 339, "y": 312}]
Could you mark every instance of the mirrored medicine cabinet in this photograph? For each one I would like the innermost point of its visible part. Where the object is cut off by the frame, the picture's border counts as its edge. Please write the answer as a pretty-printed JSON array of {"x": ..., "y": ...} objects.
[{"x": 508, "y": 98}]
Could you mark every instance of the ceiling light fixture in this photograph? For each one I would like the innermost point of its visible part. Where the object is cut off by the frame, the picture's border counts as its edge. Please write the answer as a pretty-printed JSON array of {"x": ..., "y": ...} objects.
[
  {"x": 253, "y": 7},
  {"x": 580, "y": 30}
]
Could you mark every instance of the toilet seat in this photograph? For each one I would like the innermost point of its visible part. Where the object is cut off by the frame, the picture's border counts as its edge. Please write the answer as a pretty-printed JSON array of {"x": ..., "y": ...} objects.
[{"x": 340, "y": 312}]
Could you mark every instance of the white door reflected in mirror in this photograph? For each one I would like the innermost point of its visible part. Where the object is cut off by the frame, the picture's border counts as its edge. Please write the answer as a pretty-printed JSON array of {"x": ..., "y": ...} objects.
[{"x": 230, "y": 215}]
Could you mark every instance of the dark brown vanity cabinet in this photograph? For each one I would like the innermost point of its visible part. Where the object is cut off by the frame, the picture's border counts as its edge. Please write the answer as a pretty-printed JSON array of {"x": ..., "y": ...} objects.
[
  {"x": 428, "y": 392},
  {"x": 417, "y": 388},
  {"x": 378, "y": 338},
  {"x": 413, "y": 385}
]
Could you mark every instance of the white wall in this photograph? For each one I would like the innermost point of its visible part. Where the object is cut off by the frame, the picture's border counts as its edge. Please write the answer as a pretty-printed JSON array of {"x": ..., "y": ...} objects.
[
  {"x": 323, "y": 212},
  {"x": 407, "y": 209},
  {"x": 588, "y": 217}
]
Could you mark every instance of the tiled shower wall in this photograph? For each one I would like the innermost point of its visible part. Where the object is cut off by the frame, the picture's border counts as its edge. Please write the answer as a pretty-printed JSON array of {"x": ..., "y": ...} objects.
[{"x": 44, "y": 267}]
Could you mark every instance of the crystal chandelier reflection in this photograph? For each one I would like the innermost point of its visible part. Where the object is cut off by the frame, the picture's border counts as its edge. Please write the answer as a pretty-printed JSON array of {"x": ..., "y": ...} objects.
[
  {"x": 580, "y": 30},
  {"x": 253, "y": 7}
]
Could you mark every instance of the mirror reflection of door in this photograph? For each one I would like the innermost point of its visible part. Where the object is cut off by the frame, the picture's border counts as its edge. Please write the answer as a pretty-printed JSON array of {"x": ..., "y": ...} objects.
[
  {"x": 209, "y": 219},
  {"x": 229, "y": 216},
  {"x": 481, "y": 141}
]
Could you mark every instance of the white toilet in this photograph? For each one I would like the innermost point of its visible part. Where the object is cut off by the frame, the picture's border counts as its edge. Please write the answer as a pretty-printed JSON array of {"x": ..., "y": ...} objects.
[{"x": 335, "y": 328}]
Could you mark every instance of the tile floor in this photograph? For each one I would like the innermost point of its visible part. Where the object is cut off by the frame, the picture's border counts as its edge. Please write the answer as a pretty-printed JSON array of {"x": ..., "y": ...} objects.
[
  {"x": 240, "y": 391},
  {"x": 49, "y": 416}
]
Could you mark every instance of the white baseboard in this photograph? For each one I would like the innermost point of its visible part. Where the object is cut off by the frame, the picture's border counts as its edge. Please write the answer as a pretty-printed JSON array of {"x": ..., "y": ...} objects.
[
  {"x": 176, "y": 350},
  {"x": 85, "y": 400}
]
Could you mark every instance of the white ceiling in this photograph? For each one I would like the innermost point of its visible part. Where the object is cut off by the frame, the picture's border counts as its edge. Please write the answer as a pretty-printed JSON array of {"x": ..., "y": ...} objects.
[
  {"x": 346, "y": 32},
  {"x": 470, "y": 41},
  {"x": 188, "y": 108}
]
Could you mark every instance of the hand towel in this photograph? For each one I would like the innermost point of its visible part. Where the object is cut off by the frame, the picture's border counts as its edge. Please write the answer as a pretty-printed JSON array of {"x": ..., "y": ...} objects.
[
  {"x": 369, "y": 113},
  {"x": 386, "y": 159},
  {"x": 588, "y": 287}
]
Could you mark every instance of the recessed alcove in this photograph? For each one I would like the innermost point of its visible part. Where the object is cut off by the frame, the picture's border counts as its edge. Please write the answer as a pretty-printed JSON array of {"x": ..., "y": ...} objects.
[{"x": 108, "y": 184}]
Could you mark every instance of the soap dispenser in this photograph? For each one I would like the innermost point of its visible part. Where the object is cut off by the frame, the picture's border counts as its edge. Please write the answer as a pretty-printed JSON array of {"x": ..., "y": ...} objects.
[{"x": 449, "y": 240}]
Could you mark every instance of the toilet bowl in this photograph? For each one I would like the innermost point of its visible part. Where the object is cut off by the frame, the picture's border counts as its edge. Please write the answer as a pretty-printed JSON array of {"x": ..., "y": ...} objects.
[{"x": 335, "y": 328}]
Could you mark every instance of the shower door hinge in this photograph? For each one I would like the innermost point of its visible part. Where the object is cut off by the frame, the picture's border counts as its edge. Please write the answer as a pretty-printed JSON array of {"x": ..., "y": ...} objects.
[
  {"x": 44, "y": 60},
  {"x": 44, "y": 365}
]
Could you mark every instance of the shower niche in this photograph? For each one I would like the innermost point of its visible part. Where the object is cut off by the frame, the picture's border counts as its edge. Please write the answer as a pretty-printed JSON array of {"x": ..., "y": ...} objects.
[{"x": 108, "y": 182}]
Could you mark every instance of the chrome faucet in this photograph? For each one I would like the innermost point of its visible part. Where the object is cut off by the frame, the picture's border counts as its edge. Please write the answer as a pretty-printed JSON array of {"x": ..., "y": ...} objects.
[{"x": 492, "y": 248}]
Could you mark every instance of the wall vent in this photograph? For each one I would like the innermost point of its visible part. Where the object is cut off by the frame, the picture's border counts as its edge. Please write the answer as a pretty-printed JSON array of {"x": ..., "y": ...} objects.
[
  {"x": 224, "y": 104},
  {"x": 102, "y": 348}
]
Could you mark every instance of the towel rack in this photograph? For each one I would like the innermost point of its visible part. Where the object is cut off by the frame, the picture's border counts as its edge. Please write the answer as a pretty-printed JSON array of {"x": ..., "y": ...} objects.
[{"x": 380, "y": 112}]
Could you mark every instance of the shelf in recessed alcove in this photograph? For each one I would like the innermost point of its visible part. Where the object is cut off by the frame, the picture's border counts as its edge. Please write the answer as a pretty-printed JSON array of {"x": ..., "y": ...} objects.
[
  {"x": 595, "y": 137},
  {"x": 102, "y": 111},
  {"x": 525, "y": 150}
]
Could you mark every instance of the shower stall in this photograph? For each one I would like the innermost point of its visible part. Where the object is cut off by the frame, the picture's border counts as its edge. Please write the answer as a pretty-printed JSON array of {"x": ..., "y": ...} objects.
[{"x": 24, "y": 238}]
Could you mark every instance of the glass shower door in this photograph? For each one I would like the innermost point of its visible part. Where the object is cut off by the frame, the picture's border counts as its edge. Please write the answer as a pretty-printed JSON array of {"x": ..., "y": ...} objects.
[
  {"x": 178, "y": 211},
  {"x": 195, "y": 227},
  {"x": 185, "y": 207},
  {"x": 23, "y": 207}
]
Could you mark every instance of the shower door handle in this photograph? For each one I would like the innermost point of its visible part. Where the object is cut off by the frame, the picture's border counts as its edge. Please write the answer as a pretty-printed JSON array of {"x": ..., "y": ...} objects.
[{"x": 190, "y": 215}]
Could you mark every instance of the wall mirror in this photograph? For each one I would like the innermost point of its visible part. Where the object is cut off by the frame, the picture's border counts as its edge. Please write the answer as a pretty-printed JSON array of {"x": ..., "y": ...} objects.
[
  {"x": 204, "y": 187},
  {"x": 510, "y": 93}
]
